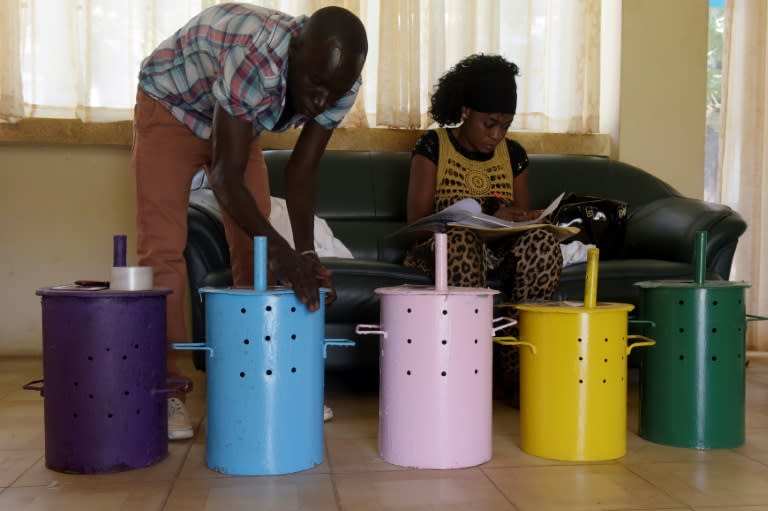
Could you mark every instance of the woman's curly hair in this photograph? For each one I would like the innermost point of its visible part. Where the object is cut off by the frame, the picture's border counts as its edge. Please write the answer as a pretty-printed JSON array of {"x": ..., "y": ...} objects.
[{"x": 482, "y": 82}]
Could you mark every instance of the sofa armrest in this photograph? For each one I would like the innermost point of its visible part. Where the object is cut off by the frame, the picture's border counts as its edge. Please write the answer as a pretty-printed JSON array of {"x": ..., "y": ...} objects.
[{"x": 666, "y": 229}]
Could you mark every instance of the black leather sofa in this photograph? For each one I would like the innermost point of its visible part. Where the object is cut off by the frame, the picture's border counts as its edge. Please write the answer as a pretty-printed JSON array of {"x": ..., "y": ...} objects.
[{"x": 362, "y": 196}]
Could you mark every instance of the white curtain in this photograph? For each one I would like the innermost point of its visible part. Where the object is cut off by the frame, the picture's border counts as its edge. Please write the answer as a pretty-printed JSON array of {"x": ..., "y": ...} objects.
[
  {"x": 11, "y": 106},
  {"x": 80, "y": 58},
  {"x": 744, "y": 150}
]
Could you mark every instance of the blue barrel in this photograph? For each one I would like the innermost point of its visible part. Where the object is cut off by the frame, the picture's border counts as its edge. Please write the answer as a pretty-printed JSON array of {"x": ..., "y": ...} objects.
[{"x": 265, "y": 378}]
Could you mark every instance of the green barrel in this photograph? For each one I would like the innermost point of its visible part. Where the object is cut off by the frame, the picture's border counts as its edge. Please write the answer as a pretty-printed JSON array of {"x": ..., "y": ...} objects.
[{"x": 692, "y": 381}]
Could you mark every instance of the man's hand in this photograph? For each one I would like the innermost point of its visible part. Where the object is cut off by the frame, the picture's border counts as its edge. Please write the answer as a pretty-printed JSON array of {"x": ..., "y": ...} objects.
[
  {"x": 323, "y": 276},
  {"x": 302, "y": 273}
]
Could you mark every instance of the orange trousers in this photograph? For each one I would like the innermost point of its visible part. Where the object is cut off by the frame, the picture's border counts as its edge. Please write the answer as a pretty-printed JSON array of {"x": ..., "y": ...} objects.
[{"x": 166, "y": 156}]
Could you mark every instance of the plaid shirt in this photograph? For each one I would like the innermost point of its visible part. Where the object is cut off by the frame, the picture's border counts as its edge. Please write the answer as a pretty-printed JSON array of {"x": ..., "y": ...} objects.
[{"x": 235, "y": 55}]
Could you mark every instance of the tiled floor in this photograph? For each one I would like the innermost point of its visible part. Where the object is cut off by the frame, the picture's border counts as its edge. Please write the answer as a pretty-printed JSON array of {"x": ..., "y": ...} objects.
[{"x": 354, "y": 477}]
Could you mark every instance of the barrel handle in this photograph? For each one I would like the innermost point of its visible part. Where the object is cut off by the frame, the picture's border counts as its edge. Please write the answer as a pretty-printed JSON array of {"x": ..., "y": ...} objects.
[
  {"x": 176, "y": 386},
  {"x": 33, "y": 385},
  {"x": 509, "y": 322},
  {"x": 194, "y": 346},
  {"x": 647, "y": 342},
  {"x": 642, "y": 322},
  {"x": 370, "y": 329},
  {"x": 754, "y": 317},
  {"x": 512, "y": 341},
  {"x": 346, "y": 343}
]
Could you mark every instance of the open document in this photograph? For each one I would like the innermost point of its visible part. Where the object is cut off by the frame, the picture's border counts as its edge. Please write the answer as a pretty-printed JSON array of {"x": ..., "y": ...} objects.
[{"x": 468, "y": 213}]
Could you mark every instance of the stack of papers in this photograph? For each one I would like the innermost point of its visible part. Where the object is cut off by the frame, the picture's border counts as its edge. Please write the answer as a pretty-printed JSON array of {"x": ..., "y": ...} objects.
[{"x": 468, "y": 213}]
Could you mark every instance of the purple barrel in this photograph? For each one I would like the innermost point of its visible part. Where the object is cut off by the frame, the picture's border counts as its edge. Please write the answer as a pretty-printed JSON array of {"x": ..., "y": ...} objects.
[{"x": 104, "y": 386}]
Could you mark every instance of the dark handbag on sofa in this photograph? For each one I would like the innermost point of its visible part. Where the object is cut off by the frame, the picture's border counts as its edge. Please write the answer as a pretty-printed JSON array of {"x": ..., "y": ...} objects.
[{"x": 603, "y": 222}]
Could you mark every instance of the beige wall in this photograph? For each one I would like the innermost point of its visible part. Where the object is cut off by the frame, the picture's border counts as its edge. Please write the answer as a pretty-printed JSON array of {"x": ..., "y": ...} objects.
[
  {"x": 663, "y": 90},
  {"x": 60, "y": 205},
  {"x": 59, "y": 208}
]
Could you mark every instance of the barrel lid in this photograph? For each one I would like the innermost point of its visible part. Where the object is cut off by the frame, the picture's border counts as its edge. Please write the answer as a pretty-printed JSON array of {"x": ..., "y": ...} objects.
[
  {"x": 84, "y": 292},
  {"x": 414, "y": 289},
  {"x": 678, "y": 284},
  {"x": 573, "y": 307},
  {"x": 273, "y": 290}
]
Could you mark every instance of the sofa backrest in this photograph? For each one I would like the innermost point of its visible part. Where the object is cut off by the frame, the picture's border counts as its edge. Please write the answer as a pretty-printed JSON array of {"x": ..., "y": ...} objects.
[
  {"x": 551, "y": 174},
  {"x": 361, "y": 194}
]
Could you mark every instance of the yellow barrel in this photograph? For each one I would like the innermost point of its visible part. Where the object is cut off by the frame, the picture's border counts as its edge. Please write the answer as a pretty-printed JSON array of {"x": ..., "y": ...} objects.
[{"x": 573, "y": 376}]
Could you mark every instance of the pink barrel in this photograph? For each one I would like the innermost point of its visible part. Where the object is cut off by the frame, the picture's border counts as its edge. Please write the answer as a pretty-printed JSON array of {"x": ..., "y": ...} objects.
[{"x": 436, "y": 373}]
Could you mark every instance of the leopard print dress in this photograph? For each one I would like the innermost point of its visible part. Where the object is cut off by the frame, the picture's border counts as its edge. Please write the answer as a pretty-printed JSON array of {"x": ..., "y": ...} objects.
[{"x": 528, "y": 264}]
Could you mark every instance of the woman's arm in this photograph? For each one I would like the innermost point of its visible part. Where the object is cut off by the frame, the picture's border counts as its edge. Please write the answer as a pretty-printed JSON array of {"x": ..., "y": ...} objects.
[
  {"x": 520, "y": 190},
  {"x": 421, "y": 188}
]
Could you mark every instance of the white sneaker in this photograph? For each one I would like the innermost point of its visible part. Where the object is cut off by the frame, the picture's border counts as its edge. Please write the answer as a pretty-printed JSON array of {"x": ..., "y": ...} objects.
[
  {"x": 327, "y": 413},
  {"x": 179, "y": 425}
]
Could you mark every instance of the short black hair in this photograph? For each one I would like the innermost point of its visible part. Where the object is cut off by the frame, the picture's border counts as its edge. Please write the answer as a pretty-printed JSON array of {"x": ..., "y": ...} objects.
[
  {"x": 485, "y": 83},
  {"x": 342, "y": 24}
]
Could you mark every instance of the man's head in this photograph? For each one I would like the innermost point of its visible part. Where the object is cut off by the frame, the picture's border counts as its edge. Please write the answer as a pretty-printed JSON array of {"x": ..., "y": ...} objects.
[{"x": 326, "y": 57}]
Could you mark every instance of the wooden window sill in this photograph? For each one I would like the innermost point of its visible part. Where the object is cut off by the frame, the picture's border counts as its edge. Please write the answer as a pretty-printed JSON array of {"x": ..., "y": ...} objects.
[{"x": 75, "y": 132}]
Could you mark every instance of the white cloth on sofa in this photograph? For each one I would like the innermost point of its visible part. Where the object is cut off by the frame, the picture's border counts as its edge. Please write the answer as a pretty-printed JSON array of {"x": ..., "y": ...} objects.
[
  {"x": 326, "y": 244},
  {"x": 574, "y": 252}
]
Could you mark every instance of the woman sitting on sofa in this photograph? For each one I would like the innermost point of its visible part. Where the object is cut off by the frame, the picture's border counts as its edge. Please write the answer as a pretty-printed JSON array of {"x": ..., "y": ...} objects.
[{"x": 473, "y": 158}]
